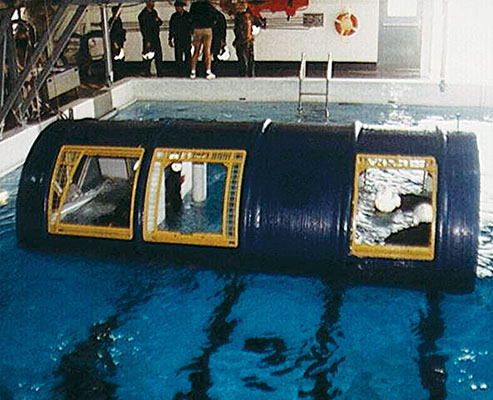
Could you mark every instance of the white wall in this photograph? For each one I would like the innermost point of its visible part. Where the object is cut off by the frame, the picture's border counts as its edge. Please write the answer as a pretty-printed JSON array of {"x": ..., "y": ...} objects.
[
  {"x": 469, "y": 41},
  {"x": 287, "y": 44}
]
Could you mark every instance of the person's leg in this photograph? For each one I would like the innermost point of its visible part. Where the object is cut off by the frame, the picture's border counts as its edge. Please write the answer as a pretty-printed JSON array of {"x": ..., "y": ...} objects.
[
  {"x": 186, "y": 50},
  {"x": 178, "y": 55},
  {"x": 182, "y": 67},
  {"x": 250, "y": 59},
  {"x": 147, "y": 67},
  {"x": 155, "y": 46},
  {"x": 240, "y": 53},
  {"x": 197, "y": 44},
  {"x": 159, "y": 59},
  {"x": 207, "y": 53},
  {"x": 214, "y": 53},
  {"x": 146, "y": 63},
  {"x": 195, "y": 57}
]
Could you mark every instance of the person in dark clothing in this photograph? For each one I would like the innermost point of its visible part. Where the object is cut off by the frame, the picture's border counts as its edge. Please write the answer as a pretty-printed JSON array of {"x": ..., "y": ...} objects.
[
  {"x": 203, "y": 17},
  {"x": 243, "y": 43},
  {"x": 174, "y": 201},
  {"x": 180, "y": 29},
  {"x": 218, "y": 37},
  {"x": 118, "y": 36},
  {"x": 24, "y": 41},
  {"x": 414, "y": 236},
  {"x": 149, "y": 23}
]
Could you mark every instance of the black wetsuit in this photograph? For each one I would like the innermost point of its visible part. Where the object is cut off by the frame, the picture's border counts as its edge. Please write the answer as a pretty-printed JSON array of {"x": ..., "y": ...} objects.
[
  {"x": 180, "y": 30},
  {"x": 173, "y": 188},
  {"x": 149, "y": 23},
  {"x": 218, "y": 36},
  {"x": 117, "y": 35},
  {"x": 414, "y": 236}
]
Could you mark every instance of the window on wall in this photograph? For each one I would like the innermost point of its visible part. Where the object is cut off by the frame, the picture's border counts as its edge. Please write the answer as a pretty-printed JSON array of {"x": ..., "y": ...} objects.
[
  {"x": 92, "y": 191},
  {"x": 394, "y": 207},
  {"x": 193, "y": 196},
  {"x": 311, "y": 20},
  {"x": 402, "y": 8}
]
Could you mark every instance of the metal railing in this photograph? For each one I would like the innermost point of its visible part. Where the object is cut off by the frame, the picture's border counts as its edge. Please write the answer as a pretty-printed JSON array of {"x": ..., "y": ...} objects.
[
  {"x": 302, "y": 78},
  {"x": 24, "y": 85}
]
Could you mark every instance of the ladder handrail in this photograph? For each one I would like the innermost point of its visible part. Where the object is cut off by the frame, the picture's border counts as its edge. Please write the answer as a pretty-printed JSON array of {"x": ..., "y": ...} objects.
[
  {"x": 302, "y": 74},
  {"x": 329, "y": 67},
  {"x": 328, "y": 77},
  {"x": 302, "y": 77}
]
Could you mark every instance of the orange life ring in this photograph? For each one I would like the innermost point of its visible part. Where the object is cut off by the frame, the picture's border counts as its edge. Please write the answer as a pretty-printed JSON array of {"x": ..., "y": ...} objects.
[{"x": 346, "y": 24}]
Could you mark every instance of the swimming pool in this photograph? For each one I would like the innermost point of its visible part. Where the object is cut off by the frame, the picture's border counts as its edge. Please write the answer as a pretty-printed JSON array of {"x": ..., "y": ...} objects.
[{"x": 76, "y": 325}]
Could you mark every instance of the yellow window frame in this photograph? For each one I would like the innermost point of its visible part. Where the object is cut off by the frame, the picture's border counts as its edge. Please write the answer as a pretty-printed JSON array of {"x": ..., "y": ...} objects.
[
  {"x": 390, "y": 161},
  {"x": 234, "y": 161},
  {"x": 67, "y": 163}
]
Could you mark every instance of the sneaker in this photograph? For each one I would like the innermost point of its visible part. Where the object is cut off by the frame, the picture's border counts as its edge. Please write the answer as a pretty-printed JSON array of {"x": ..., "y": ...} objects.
[
  {"x": 210, "y": 76},
  {"x": 193, "y": 75}
]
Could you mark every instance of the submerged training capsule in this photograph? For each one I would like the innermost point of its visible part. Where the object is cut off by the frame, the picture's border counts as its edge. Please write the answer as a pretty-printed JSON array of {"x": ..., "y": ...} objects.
[{"x": 287, "y": 197}]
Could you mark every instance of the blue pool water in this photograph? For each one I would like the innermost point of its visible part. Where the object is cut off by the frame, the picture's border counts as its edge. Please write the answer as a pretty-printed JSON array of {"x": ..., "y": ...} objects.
[{"x": 75, "y": 327}]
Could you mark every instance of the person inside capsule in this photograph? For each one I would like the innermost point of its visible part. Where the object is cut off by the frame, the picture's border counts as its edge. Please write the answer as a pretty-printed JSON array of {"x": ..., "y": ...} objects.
[
  {"x": 174, "y": 201},
  {"x": 387, "y": 200}
]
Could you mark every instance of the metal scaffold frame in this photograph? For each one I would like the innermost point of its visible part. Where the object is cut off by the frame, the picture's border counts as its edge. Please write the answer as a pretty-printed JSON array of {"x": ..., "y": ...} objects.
[{"x": 20, "y": 87}]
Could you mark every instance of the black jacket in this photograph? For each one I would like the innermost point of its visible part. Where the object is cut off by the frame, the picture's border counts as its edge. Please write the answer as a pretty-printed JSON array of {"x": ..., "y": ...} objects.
[
  {"x": 117, "y": 33},
  {"x": 180, "y": 26},
  {"x": 149, "y": 23},
  {"x": 219, "y": 30},
  {"x": 203, "y": 14}
]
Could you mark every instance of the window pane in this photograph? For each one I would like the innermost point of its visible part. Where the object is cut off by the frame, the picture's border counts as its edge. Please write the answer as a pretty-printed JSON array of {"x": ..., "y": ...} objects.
[
  {"x": 188, "y": 215},
  {"x": 92, "y": 191},
  {"x": 101, "y": 196},
  {"x": 193, "y": 196},
  {"x": 402, "y": 8},
  {"x": 394, "y": 207}
]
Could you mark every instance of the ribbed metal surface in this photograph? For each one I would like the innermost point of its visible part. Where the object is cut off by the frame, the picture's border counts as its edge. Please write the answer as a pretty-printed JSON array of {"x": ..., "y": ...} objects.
[{"x": 298, "y": 196}]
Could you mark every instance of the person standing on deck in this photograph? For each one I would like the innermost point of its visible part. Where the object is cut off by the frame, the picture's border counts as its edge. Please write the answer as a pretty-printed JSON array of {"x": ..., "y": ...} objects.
[
  {"x": 149, "y": 23},
  {"x": 118, "y": 36},
  {"x": 243, "y": 43},
  {"x": 218, "y": 37},
  {"x": 180, "y": 28},
  {"x": 203, "y": 17}
]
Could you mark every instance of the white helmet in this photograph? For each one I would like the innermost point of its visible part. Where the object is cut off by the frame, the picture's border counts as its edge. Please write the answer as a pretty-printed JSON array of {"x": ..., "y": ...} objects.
[
  {"x": 149, "y": 55},
  {"x": 224, "y": 55},
  {"x": 176, "y": 167},
  {"x": 423, "y": 212},
  {"x": 387, "y": 200},
  {"x": 120, "y": 55}
]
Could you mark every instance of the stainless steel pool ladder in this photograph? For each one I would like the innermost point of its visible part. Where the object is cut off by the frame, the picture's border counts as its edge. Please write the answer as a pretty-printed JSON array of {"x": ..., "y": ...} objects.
[{"x": 302, "y": 78}]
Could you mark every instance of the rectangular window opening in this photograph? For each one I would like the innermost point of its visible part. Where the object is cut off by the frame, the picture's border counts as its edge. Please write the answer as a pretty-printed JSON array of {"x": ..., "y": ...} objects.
[
  {"x": 402, "y": 8},
  {"x": 312, "y": 20},
  {"x": 193, "y": 196},
  {"x": 394, "y": 207},
  {"x": 92, "y": 191}
]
